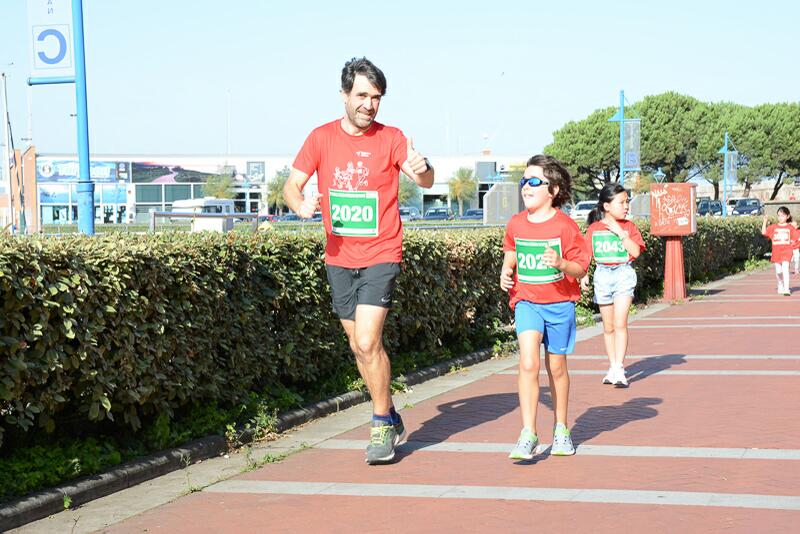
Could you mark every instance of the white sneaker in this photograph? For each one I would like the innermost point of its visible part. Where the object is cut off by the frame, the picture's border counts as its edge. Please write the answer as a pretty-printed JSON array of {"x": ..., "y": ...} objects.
[
  {"x": 620, "y": 380},
  {"x": 780, "y": 288},
  {"x": 609, "y": 378}
]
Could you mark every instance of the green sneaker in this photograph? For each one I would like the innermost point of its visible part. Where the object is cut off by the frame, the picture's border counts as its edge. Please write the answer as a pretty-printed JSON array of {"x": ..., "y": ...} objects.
[
  {"x": 382, "y": 441},
  {"x": 526, "y": 445},
  {"x": 562, "y": 442}
]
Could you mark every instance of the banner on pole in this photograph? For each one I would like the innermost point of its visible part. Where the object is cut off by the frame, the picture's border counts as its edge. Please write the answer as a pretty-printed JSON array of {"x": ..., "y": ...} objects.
[
  {"x": 50, "y": 23},
  {"x": 733, "y": 160},
  {"x": 632, "y": 145}
]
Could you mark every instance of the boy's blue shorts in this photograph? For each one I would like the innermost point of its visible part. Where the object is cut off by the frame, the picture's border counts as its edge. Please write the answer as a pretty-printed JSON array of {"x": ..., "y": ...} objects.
[{"x": 556, "y": 322}]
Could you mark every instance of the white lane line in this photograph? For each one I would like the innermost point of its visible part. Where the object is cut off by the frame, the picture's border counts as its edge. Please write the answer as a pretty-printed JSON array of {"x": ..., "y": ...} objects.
[
  {"x": 691, "y": 357},
  {"x": 435, "y": 491},
  {"x": 624, "y": 451},
  {"x": 726, "y": 325},
  {"x": 718, "y": 318},
  {"x": 714, "y": 301},
  {"x": 654, "y": 372}
]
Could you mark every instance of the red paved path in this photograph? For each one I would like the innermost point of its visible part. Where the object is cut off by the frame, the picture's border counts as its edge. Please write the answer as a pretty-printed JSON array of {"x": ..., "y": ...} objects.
[{"x": 658, "y": 410}]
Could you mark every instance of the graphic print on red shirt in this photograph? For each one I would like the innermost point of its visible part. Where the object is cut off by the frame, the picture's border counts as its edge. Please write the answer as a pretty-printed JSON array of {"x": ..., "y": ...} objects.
[
  {"x": 783, "y": 237},
  {"x": 533, "y": 281},
  {"x": 607, "y": 248},
  {"x": 357, "y": 177}
]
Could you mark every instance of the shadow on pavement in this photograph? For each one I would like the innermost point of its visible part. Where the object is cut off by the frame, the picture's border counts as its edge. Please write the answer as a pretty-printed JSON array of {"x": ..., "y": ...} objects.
[
  {"x": 599, "y": 419},
  {"x": 460, "y": 415},
  {"x": 645, "y": 367},
  {"x": 704, "y": 292}
]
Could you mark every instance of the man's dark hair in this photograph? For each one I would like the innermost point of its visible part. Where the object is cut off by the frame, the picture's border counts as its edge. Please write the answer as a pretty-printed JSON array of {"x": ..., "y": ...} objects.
[
  {"x": 557, "y": 175},
  {"x": 366, "y": 68}
]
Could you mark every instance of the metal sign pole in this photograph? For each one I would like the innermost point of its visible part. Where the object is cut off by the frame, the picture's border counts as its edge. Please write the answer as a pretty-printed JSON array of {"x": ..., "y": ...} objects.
[
  {"x": 85, "y": 184},
  {"x": 724, "y": 152}
]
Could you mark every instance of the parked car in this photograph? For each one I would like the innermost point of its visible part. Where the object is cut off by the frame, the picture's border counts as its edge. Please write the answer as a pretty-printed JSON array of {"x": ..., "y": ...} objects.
[
  {"x": 438, "y": 214},
  {"x": 581, "y": 210},
  {"x": 409, "y": 213},
  {"x": 709, "y": 208},
  {"x": 748, "y": 206},
  {"x": 290, "y": 217},
  {"x": 472, "y": 215}
]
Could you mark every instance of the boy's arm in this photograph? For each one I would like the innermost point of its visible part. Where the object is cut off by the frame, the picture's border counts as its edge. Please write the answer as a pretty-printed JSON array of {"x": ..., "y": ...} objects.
[
  {"x": 507, "y": 271},
  {"x": 764, "y": 226}
]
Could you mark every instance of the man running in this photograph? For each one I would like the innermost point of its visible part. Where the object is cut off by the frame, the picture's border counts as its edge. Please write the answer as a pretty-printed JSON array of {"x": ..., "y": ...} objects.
[{"x": 357, "y": 161}]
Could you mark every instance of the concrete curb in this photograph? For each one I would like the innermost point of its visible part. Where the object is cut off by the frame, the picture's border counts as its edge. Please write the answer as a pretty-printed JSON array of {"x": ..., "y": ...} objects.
[
  {"x": 44, "y": 503},
  {"x": 51, "y": 501}
]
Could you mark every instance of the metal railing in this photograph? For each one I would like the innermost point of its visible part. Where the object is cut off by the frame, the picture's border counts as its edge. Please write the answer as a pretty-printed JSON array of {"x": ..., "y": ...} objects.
[{"x": 177, "y": 215}]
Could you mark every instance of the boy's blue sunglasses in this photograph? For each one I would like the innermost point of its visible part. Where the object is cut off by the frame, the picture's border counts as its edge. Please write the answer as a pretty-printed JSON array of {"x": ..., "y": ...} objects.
[{"x": 533, "y": 182}]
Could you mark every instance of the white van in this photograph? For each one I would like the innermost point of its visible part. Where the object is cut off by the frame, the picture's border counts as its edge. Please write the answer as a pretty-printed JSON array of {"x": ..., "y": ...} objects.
[{"x": 220, "y": 206}]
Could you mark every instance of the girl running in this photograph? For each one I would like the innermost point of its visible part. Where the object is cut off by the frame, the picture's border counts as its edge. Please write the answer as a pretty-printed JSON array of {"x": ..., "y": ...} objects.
[
  {"x": 784, "y": 237},
  {"x": 615, "y": 242}
]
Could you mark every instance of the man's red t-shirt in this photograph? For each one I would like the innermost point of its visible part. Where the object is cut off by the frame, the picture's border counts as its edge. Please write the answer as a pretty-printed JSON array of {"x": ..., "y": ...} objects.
[
  {"x": 607, "y": 248},
  {"x": 357, "y": 176},
  {"x": 532, "y": 280},
  {"x": 783, "y": 237}
]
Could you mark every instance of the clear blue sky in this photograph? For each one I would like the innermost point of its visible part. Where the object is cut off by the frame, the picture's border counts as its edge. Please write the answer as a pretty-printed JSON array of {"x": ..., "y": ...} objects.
[{"x": 159, "y": 71}]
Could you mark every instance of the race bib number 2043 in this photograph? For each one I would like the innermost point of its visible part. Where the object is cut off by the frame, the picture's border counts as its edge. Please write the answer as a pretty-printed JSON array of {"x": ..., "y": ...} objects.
[
  {"x": 354, "y": 213},
  {"x": 608, "y": 248},
  {"x": 530, "y": 267}
]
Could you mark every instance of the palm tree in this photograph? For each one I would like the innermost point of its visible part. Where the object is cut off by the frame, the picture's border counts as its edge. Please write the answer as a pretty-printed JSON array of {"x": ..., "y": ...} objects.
[
  {"x": 407, "y": 190},
  {"x": 275, "y": 190},
  {"x": 463, "y": 186}
]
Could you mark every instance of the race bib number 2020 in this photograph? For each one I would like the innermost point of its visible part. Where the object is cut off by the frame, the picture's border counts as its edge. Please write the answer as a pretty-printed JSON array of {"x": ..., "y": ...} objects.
[
  {"x": 354, "y": 213},
  {"x": 530, "y": 267}
]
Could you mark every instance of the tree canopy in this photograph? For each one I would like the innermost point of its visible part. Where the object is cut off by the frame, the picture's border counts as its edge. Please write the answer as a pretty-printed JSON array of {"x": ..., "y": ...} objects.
[{"x": 682, "y": 136}]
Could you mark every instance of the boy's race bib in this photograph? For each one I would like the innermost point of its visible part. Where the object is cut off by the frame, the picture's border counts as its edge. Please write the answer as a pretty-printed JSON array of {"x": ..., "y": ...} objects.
[
  {"x": 354, "y": 213},
  {"x": 608, "y": 248},
  {"x": 530, "y": 267}
]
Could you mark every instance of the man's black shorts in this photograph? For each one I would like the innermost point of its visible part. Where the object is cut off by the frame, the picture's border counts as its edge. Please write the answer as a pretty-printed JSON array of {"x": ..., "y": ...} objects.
[{"x": 373, "y": 285}]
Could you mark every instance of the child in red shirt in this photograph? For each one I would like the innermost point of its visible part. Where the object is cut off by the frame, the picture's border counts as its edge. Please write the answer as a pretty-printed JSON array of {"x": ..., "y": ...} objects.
[
  {"x": 615, "y": 242},
  {"x": 784, "y": 238},
  {"x": 545, "y": 255}
]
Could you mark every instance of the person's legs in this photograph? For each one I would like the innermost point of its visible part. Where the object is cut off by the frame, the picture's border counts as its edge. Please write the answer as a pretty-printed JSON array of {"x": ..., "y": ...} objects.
[
  {"x": 371, "y": 358},
  {"x": 796, "y": 260},
  {"x": 779, "y": 276},
  {"x": 558, "y": 375},
  {"x": 785, "y": 274},
  {"x": 622, "y": 306},
  {"x": 607, "y": 314},
  {"x": 529, "y": 325},
  {"x": 559, "y": 339},
  {"x": 528, "y": 380}
]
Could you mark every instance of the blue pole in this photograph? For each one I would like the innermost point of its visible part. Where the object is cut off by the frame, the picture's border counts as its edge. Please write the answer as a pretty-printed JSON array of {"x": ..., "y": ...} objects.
[
  {"x": 622, "y": 138},
  {"x": 725, "y": 177},
  {"x": 85, "y": 184}
]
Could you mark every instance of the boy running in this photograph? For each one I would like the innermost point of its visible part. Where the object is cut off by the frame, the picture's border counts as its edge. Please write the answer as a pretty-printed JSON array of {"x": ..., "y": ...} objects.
[{"x": 545, "y": 256}]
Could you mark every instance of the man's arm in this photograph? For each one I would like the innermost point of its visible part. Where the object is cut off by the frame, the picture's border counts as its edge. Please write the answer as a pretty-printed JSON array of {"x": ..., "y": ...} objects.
[
  {"x": 417, "y": 167},
  {"x": 293, "y": 195}
]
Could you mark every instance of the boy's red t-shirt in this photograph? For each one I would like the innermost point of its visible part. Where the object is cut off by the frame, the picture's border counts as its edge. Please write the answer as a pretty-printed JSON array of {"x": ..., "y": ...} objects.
[
  {"x": 357, "y": 176},
  {"x": 784, "y": 237},
  {"x": 532, "y": 281},
  {"x": 606, "y": 248}
]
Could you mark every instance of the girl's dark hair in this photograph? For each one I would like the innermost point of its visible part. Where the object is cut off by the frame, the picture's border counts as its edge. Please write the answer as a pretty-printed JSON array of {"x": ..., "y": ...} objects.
[
  {"x": 607, "y": 194},
  {"x": 366, "y": 68},
  {"x": 557, "y": 175},
  {"x": 785, "y": 210}
]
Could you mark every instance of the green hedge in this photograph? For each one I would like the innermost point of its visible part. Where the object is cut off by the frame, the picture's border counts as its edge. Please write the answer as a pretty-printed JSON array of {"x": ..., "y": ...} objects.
[{"x": 125, "y": 327}]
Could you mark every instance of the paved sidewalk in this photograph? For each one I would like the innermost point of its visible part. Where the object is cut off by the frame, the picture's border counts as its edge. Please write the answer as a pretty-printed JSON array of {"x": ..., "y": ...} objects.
[{"x": 704, "y": 440}]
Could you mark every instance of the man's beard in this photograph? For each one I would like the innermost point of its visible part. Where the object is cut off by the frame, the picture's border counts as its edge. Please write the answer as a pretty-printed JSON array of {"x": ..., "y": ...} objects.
[{"x": 361, "y": 120}]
